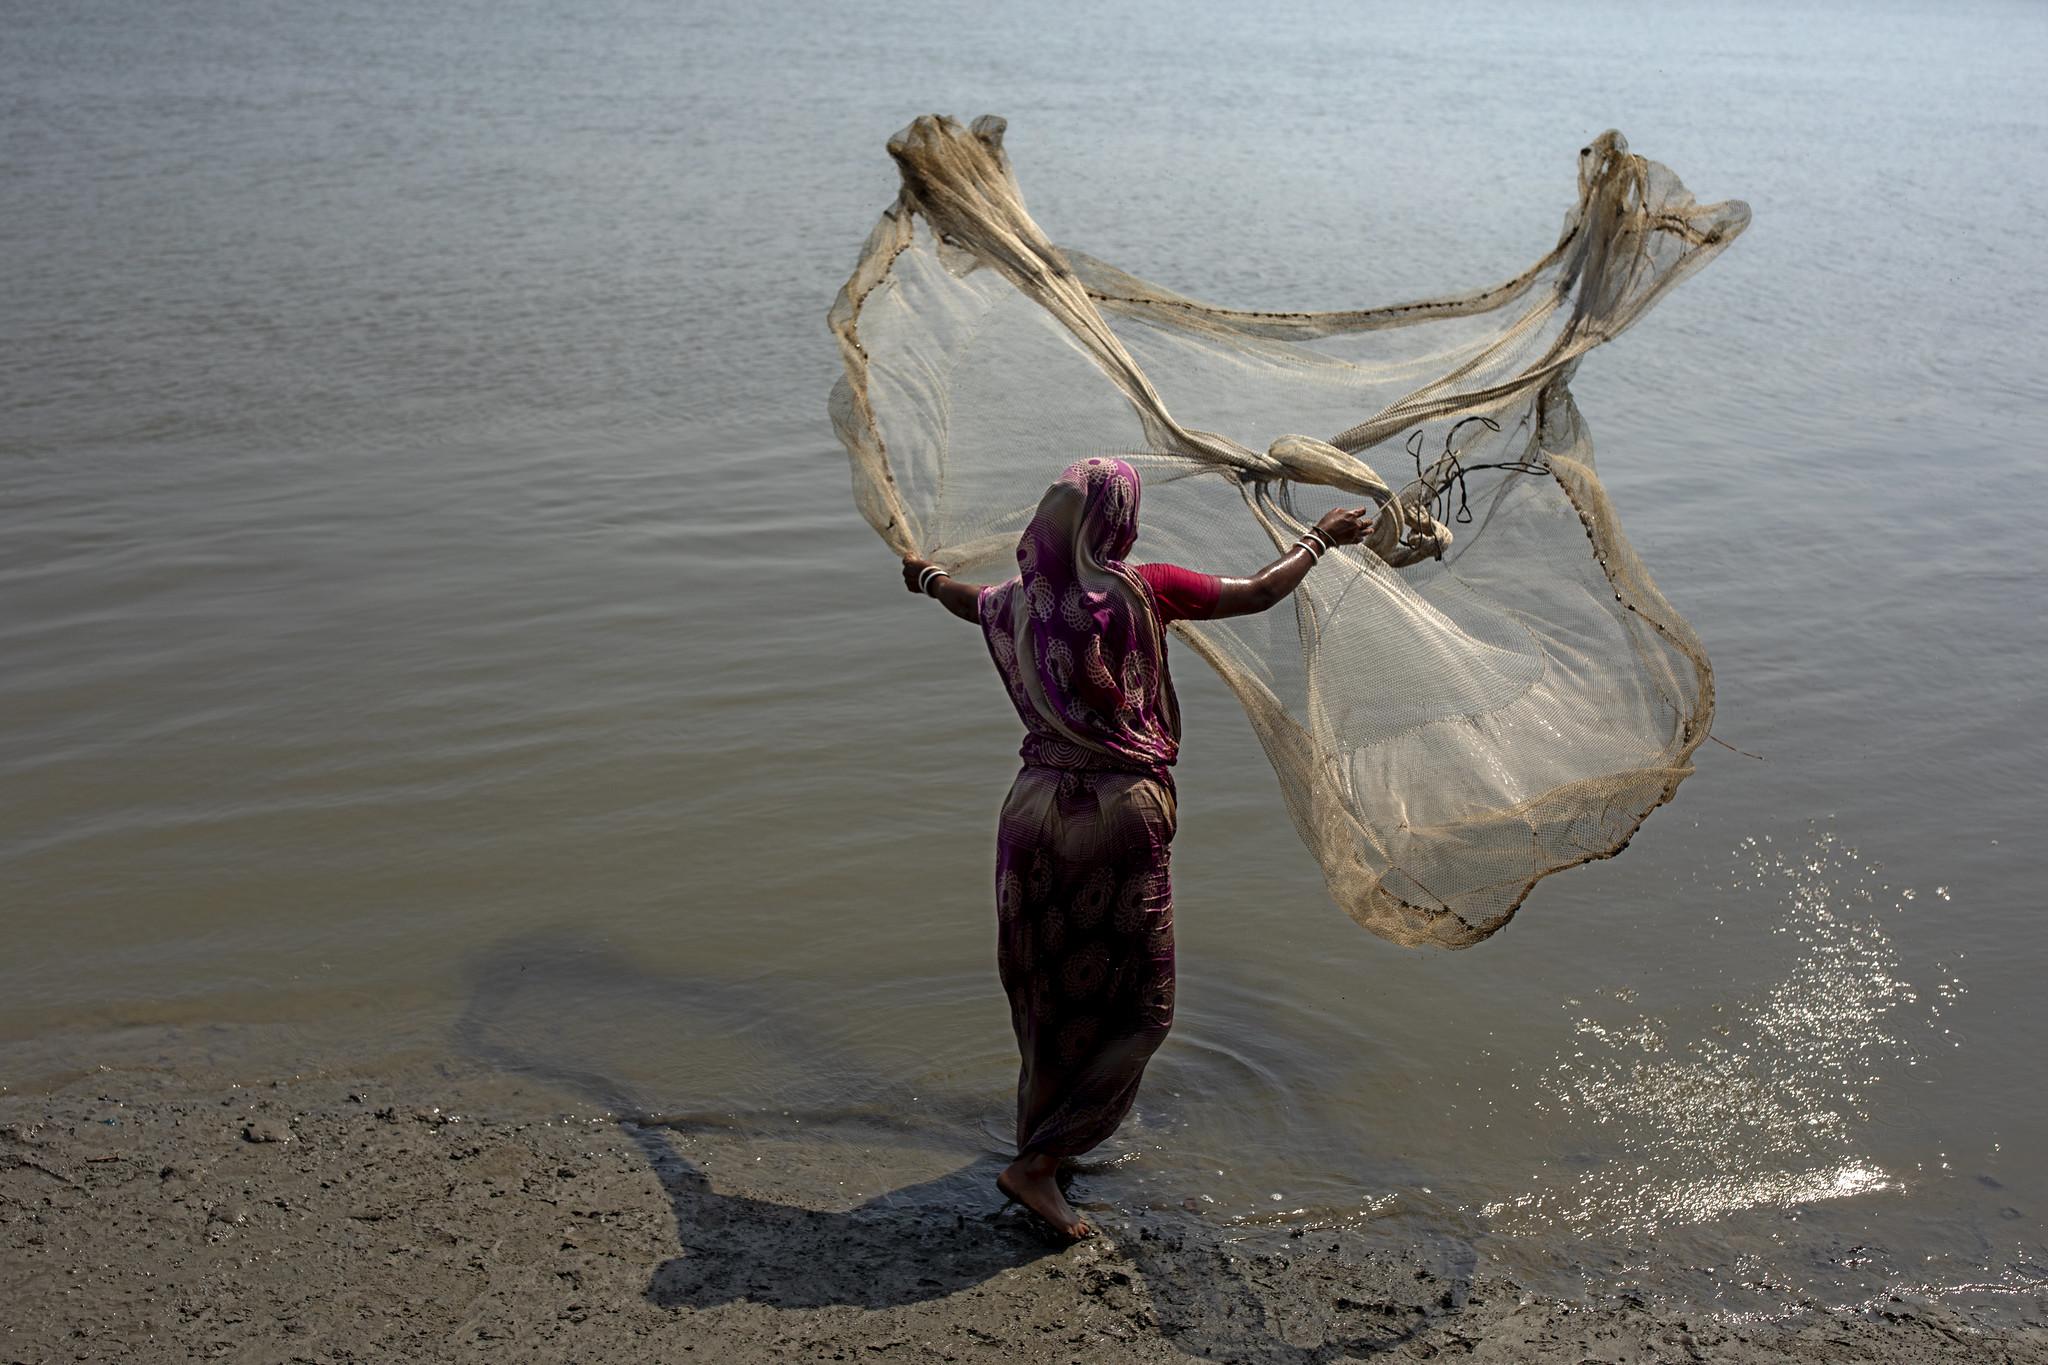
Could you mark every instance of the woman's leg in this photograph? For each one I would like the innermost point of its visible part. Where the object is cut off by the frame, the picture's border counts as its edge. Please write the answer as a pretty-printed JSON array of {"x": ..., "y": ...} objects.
[
  {"x": 1084, "y": 901},
  {"x": 1028, "y": 927}
]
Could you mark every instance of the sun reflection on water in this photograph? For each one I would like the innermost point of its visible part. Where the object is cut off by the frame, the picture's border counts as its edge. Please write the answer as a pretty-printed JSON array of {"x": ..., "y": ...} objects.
[{"x": 1758, "y": 1102}]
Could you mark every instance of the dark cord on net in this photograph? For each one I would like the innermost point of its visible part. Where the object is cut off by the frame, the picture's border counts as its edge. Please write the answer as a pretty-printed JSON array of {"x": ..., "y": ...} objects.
[{"x": 1440, "y": 498}]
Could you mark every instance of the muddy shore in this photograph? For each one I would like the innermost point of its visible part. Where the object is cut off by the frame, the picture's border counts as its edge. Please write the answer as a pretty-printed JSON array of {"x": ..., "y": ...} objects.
[{"x": 148, "y": 1215}]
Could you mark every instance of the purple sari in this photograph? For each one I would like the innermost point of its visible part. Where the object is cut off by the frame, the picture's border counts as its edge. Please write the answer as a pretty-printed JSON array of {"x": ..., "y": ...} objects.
[{"x": 1084, "y": 901}]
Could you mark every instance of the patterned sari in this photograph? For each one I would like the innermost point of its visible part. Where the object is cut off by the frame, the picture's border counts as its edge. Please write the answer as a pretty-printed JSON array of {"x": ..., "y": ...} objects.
[{"x": 1084, "y": 900}]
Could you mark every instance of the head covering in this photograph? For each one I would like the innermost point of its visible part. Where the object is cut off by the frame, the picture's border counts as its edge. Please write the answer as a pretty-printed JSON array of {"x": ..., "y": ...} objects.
[{"x": 1075, "y": 634}]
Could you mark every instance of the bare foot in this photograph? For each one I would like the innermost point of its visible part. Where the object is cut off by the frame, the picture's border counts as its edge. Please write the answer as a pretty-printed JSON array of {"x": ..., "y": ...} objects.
[{"x": 1030, "y": 1180}]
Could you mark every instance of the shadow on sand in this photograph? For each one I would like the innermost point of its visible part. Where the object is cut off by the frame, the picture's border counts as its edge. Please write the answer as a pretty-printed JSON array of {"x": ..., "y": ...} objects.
[{"x": 919, "y": 1242}]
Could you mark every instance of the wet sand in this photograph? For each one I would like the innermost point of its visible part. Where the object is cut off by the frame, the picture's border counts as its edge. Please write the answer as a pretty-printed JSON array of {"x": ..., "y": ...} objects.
[{"x": 159, "y": 1215}]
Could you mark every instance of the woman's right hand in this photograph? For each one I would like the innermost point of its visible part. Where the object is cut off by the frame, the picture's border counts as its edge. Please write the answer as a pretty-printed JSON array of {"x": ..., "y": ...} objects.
[
  {"x": 1346, "y": 525},
  {"x": 962, "y": 599}
]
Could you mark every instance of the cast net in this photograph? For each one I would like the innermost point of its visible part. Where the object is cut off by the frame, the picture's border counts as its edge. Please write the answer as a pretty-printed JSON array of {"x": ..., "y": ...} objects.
[{"x": 1492, "y": 689}]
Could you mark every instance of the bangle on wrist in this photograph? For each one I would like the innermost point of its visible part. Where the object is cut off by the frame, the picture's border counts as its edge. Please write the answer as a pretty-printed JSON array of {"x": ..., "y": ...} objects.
[{"x": 931, "y": 574}]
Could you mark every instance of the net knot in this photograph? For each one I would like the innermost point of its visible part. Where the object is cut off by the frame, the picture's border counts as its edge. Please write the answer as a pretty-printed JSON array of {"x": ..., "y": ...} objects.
[
  {"x": 1304, "y": 459},
  {"x": 1403, "y": 531}
]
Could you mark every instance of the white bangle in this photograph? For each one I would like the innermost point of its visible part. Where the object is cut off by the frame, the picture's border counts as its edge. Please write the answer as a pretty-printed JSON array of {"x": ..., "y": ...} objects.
[
  {"x": 931, "y": 574},
  {"x": 1328, "y": 541},
  {"x": 1315, "y": 551}
]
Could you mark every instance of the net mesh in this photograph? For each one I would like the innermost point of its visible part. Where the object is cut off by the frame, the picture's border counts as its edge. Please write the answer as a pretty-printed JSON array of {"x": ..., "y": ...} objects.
[{"x": 1492, "y": 689}]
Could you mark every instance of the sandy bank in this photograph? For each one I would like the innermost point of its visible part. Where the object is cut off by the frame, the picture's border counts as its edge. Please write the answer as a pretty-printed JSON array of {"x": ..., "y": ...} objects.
[{"x": 145, "y": 1216}]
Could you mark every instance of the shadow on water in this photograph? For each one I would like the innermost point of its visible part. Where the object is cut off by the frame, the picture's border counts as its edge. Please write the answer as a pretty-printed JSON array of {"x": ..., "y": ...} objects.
[{"x": 572, "y": 1013}]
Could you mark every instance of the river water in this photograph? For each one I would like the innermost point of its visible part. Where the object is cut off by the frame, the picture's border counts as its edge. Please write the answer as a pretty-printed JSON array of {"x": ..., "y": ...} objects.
[{"x": 436, "y": 627}]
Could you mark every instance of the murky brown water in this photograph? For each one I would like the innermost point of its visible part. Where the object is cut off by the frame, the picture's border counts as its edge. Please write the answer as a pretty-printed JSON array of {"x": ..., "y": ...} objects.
[{"x": 434, "y": 622}]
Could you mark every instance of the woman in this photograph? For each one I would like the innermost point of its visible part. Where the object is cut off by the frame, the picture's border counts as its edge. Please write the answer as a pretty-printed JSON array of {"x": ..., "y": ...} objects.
[{"x": 1083, "y": 900}]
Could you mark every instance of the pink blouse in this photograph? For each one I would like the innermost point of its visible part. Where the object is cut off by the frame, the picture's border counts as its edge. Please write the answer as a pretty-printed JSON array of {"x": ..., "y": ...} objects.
[{"x": 1182, "y": 594}]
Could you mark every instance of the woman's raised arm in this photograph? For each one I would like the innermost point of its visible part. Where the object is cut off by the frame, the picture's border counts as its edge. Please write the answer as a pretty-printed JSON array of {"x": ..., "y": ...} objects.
[
  {"x": 1269, "y": 586},
  {"x": 923, "y": 576}
]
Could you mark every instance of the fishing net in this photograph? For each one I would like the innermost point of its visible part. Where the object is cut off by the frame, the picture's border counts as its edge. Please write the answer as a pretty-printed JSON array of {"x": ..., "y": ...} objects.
[{"x": 1491, "y": 689}]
